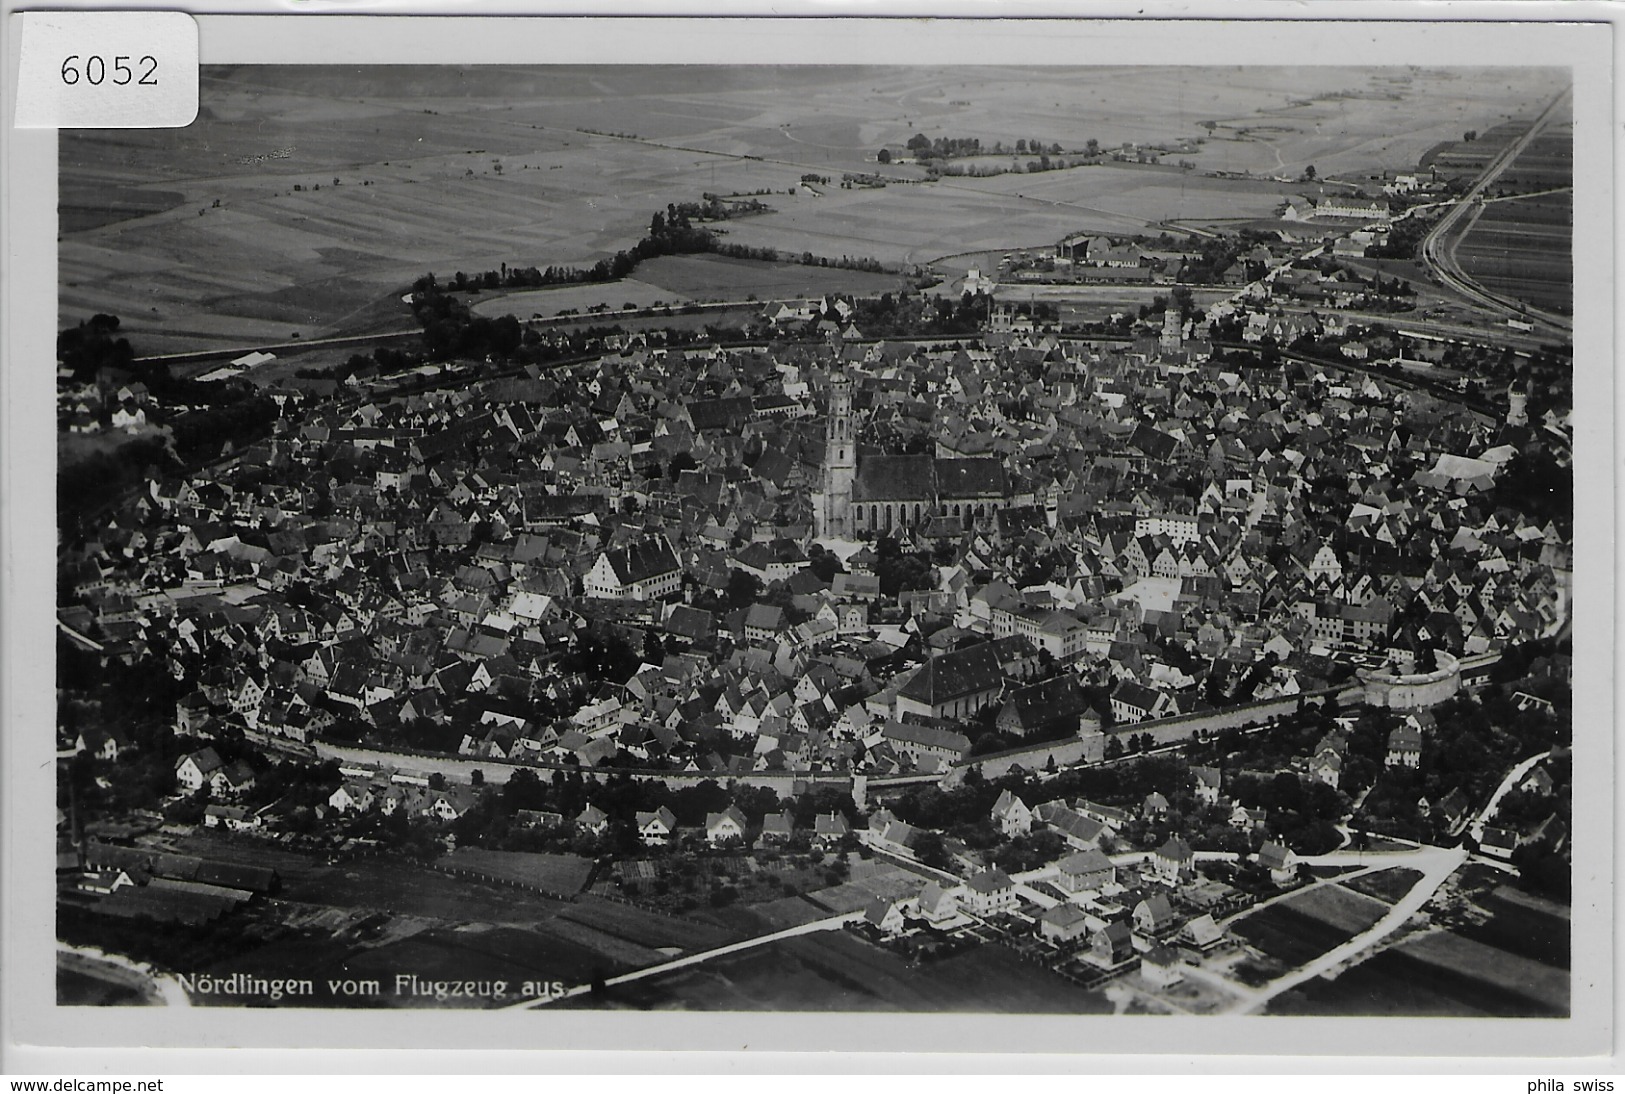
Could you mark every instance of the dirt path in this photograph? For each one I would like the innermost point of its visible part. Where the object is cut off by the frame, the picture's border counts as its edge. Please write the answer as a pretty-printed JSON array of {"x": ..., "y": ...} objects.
[
  {"x": 830, "y": 924},
  {"x": 1436, "y": 864}
]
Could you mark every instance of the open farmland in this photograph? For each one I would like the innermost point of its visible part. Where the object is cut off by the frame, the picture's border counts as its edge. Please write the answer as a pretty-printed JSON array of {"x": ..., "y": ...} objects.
[
  {"x": 1388, "y": 886},
  {"x": 549, "y": 302},
  {"x": 1522, "y": 246},
  {"x": 198, "y": 238},
  {"x": 836, "y": 971},
  {"x": 489, "y": 955},
  {"x": 674, "y": 280},
  {"x": 1440, "y": 973},
  {"x": 709, "y": 277},
  {"x": 1521, "y": 924},
  {"x": 1300, "y": 928}
]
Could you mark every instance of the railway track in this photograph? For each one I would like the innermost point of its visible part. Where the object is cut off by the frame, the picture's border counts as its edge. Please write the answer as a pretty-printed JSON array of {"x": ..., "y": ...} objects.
[{"x": 1439, "y": 245}]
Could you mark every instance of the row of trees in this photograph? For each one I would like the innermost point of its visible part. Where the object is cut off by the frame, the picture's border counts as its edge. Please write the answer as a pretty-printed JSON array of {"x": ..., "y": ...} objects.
[{"x": 673, "y": 232}]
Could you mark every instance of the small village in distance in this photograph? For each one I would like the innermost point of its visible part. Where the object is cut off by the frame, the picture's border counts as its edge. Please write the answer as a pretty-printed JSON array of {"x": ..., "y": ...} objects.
[{"x": 942, "y": 649}]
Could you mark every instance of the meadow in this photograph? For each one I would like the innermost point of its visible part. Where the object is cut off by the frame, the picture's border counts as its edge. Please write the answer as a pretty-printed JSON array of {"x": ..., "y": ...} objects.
[{"x": 306, "y": 199}]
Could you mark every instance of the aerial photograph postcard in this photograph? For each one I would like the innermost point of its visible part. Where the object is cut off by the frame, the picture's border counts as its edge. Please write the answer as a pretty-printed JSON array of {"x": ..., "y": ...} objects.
[{"x": 998, "y": 539}]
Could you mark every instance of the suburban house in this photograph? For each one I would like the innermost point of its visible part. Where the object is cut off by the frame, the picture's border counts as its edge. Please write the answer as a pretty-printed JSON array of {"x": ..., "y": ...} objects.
[
  {"x": 777, "y": 828},
  {"x": 1500, "y": 842},
  {"x": 939, "y": 905},
  {"x": 1202, "y": 934},
  {"x": 829, "y": 829},
  {"x": 885, "y": 915},
  {"x": 351, "y": 796},
  {"x": 1326, "y": 767},
  {"x": 727, "y": 825},
  {"x": 197, "y": 768},
  {"x": 1063, "y": 923},
  {"x": 657, "y": 828},
  {"x": 1112, "y": 945},
  {"x": 1012, "y": 816},
  {"x": 1208, "y": 782},
  {"x": 1278, "y": 860},
  {"x": 103, "y": 744},
  {"x": 1162, "y": 967},
  {"x": 990, "y": 892},
  {"x": 1404, "y": 747},
  {"x": 1154, "y": 917},
  {"x": 1086, "y": 871},
  {"x": 1174, "y": 861},
  {"x": 592, "y": 820},
  {"x": 1079, "y": 831}
]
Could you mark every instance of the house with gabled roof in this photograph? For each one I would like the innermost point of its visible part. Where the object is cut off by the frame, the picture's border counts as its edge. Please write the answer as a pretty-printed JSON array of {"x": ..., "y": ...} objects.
[
  {"x": 725, "y": 827},
  {"x": 593, "y": 820},
  {"x": 830, "y": 829},
  {"x": 1279, "y": 861},
  {"x": 885, "y": 915},
  {"x": 990, "y": 892},
  {"x": 1079, "y": 831},
  {"x": 1062, "y": 924},
  {"x": 1012, "y": 816},
  {"x": 1174, "y": 862},
  {"x": 1404, "y": 747},
  {"x": 657, "y": 828},
  {"x": 1111, "y": 945},
  {"x": 1202, "y": 934},
  {"x": 1085, "y": 871},
  {"x": 645, "y": 570},
  {"x": 938, "y": 904},
  {"x": 195, "y": 769},
  {"x": 1162, "y": 967}
]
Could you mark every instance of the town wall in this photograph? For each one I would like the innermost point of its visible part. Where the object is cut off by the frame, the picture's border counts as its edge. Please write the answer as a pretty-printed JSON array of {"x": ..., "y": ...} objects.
[
  {"x": 1413, "y": 691},
  {"x": 496, "y": 772},
  {"x": 1162, "y": 731}
]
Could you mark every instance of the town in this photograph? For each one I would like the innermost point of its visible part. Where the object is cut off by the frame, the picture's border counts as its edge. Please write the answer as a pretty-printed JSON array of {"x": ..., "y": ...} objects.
[{"x": 1187, "y": 659}]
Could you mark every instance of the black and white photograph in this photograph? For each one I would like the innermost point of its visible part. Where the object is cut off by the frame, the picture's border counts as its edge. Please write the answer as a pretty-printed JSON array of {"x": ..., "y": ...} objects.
[{"x": 1070, "y": 539}]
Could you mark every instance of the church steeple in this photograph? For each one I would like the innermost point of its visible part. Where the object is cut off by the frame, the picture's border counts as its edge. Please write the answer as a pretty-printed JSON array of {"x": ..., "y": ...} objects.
[
  {"x": 840, "y": 458},
  {"x": 1173, "y": 328}
]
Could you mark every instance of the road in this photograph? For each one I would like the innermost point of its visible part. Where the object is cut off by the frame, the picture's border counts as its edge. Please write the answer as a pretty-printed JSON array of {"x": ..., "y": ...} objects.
[
  {"x": 1512, "y": 779},
  {"x": 1439, "y": 245},
  {"x": 1436, "y": 864},
  {"x": 832, "y": 923},
  {"x": 300, "y": 345},
  {"x": 169, "y": 990}
]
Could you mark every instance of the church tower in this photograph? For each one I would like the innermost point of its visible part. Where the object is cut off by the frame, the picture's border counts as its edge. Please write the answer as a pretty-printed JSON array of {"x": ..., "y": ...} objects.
[
  {"x": 840, "y": 459},
  {"x": 1173, "y": 329}
]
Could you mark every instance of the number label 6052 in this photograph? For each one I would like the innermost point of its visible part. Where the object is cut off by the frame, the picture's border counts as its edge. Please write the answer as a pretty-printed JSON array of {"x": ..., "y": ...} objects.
[{"x": 95, "y": 70}]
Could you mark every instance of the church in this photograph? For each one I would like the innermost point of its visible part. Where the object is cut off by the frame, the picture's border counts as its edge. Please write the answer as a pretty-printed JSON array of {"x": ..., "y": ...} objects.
[{"x": 876, "y": 495}]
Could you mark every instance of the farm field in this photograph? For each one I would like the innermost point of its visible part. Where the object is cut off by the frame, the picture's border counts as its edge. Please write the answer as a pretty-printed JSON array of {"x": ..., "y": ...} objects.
[
  {"x": 711, "y": 277},
  {"x": 1437, "y": 974},
  {"x": 1388, "y": 886},
  {"x": 561, "y": 875},
  {"x": 1301, "y": 928},
  {"x": 547, "y": 303},
  {"x": 198, "y": 239},
  {"x": 837, "y": 971},
  {"x": 1524, "y": 925},
  {"x": 496, "y": 954},
  {"x": 1522, "y": 247}
]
